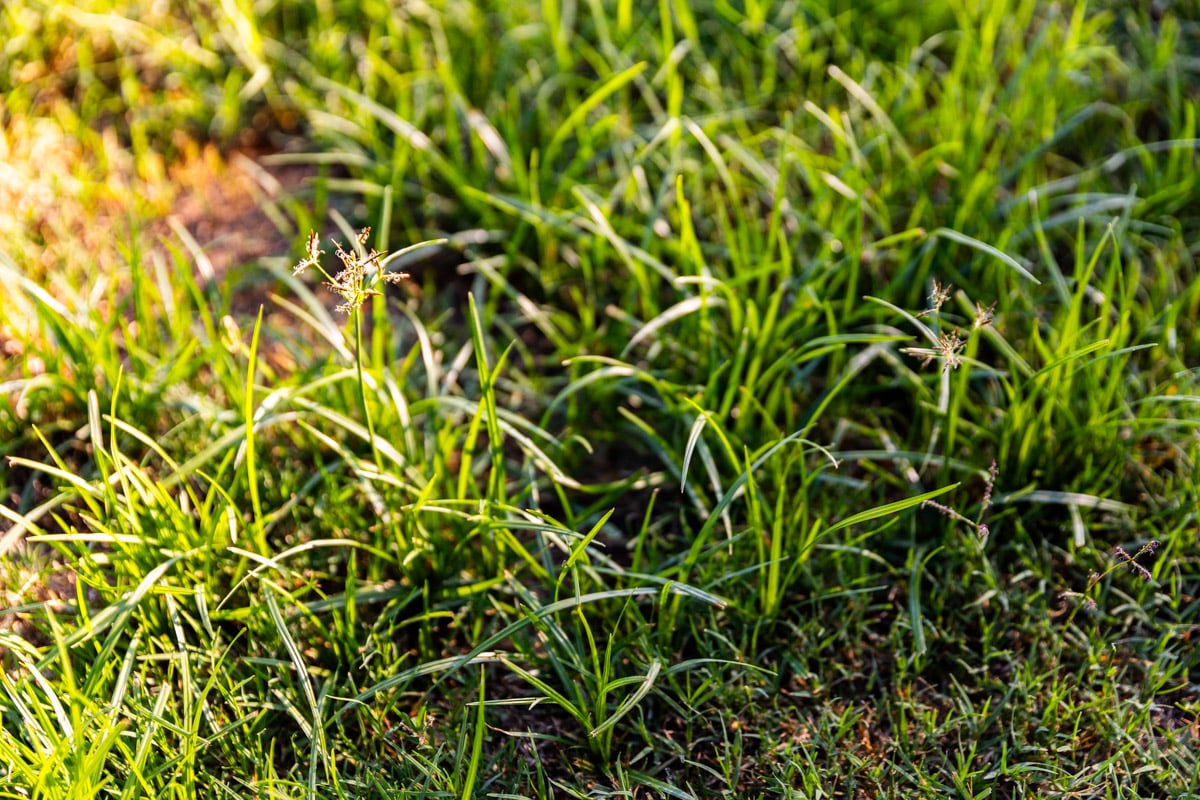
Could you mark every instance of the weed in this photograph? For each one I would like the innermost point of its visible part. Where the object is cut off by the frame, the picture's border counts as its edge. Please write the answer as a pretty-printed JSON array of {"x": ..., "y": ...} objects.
[
  {"x": 649, "y": 436},
  {"x": 1087, "y": 598}
]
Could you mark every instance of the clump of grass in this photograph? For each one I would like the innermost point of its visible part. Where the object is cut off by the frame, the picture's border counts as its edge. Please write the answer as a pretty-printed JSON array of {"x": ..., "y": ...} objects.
[{"x": 641, "y": 511}]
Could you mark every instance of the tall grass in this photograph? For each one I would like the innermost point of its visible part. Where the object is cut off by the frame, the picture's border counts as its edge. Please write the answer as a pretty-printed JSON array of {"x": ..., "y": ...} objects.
[{"x": 779, "y": 377}]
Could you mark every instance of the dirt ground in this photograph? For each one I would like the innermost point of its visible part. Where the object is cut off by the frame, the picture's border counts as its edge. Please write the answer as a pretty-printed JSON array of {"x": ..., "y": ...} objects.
[{"x": 79, "y": 209}]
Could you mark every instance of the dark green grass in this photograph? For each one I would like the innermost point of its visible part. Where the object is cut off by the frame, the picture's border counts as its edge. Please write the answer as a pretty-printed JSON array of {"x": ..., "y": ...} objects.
[{"x": 625, "y": 495}]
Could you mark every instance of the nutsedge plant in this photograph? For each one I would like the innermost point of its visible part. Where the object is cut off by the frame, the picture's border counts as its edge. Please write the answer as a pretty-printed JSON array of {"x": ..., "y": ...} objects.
[
  {"x": 650, "y": 464},
  {"x": 362, "y": 272}
]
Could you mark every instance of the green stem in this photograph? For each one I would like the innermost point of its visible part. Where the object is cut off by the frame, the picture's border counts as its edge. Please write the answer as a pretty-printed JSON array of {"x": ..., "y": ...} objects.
[{"x": 362, "y": 388}]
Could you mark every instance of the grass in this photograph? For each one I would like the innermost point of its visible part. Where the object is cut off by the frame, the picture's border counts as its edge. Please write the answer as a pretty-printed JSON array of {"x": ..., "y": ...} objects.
[{"x": 788, "y": 400}]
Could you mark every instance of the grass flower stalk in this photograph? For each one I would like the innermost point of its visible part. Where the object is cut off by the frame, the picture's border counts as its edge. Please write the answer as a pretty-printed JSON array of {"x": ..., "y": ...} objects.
[{"x": 362, "y": 271}]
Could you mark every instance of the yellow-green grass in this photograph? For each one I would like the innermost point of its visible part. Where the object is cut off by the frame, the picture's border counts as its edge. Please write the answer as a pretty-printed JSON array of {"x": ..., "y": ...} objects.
[{"x": 796, "y": 399}]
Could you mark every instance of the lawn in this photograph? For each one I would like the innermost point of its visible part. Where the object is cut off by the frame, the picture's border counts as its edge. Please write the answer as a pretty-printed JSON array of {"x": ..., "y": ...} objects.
[{"x": 599, "y": 399}]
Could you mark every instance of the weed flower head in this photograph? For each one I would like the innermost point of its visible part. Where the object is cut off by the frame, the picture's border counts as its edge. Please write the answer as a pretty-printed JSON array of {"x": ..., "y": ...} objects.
[
  {"x": 1086, "y": 601},
  {"x": 1132, "y": 560},
  {"x": 361, "y": 270},
  {"x": 1085, "y": 597},
  {"x": 947, "y": 349},
  {"x": 980, "y": 527},
  {"x": 983, "y": 315},
  {"x": 938, "y": 296}
]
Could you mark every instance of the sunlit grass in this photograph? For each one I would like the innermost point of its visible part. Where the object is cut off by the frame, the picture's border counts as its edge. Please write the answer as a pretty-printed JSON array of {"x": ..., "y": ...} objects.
[{"x": 793, "y": 401}]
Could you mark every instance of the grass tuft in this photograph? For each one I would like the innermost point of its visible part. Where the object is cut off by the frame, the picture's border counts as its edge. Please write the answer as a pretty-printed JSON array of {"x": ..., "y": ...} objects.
[{"x": 788, "y": 400}]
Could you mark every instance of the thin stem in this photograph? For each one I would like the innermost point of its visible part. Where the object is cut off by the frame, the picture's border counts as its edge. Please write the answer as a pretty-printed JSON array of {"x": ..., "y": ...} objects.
[{"x": 362, "y": 386}]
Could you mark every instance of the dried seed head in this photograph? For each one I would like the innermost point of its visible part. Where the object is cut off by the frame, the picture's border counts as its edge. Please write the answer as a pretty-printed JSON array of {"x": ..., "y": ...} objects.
[
  {"x": 984, "y": 316},
  {"x": 360, "y": 271},
  {"x": 937, "y": 297},
  {"x": 314, "y": 252}
]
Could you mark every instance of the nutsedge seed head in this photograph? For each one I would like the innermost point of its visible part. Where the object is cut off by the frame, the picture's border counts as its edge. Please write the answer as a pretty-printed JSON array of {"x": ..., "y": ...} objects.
[{"x": 359, "y": 270}]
